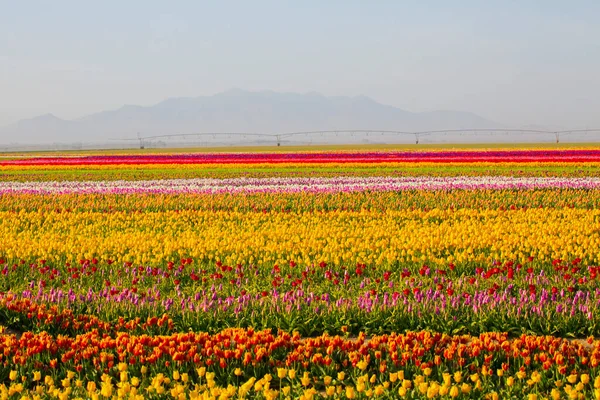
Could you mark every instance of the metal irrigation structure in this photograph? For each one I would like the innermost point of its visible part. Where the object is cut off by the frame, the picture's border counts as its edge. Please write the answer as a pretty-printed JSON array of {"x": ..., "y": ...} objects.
[{"x": 278, "y": 137}]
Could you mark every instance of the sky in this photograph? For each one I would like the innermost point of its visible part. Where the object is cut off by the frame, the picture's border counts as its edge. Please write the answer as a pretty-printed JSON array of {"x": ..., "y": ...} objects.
[{"x": 515, "y": 62}]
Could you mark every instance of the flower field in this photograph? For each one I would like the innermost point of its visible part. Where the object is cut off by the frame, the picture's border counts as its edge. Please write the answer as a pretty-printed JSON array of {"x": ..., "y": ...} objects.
[{"x": 389, "y": 274}]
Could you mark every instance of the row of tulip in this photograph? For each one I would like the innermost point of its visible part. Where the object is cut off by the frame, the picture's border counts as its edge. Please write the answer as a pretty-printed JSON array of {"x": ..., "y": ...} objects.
[
  {"x": 242, "y": 363},
  {"x": 132, "y": 172},
  {"x": 381, "y": 238},
  {"x": 443, "y": 156},
  {"x": 546, "y": 298},
  {"x": 501, "y": 199},
  {"x": 297, "y": 185}
]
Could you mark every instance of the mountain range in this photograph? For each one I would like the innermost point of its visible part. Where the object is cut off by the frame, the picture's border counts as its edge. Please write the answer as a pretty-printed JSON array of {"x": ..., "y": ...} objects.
[{"x": 236, "y": 111}]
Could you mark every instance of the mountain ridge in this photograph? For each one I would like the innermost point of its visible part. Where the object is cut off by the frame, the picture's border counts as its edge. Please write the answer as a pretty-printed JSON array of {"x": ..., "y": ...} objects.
[{"x": 237, "y": 110}]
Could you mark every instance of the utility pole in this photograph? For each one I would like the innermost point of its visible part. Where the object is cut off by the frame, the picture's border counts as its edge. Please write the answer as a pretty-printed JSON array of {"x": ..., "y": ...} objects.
[{"x": 141, "y": 141}]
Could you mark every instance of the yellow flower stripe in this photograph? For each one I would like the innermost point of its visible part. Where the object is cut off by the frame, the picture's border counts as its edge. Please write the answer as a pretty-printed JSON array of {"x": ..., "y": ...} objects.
[{"x": 436, "y": 236}]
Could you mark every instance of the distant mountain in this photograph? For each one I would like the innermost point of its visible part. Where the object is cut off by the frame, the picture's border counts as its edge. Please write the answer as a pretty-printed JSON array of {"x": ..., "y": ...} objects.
[{"x": 237, "y": 111}]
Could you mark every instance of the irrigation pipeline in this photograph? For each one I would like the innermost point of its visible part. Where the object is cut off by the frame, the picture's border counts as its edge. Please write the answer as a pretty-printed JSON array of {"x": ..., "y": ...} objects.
[{"x": 278, "y": 137}]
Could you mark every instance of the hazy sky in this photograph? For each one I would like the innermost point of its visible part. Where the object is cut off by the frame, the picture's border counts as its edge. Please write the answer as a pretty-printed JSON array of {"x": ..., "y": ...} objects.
[{"x": 516, "y": 62}]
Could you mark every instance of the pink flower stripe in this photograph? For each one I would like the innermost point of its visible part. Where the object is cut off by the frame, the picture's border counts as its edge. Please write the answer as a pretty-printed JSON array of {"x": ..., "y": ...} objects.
[
  {"x": 292, "y": 185},
  {"x": 495, "y": 156}
]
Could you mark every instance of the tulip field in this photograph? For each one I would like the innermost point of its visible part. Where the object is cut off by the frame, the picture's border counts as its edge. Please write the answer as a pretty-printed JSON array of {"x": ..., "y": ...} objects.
[{"x": 417, "y": 274}]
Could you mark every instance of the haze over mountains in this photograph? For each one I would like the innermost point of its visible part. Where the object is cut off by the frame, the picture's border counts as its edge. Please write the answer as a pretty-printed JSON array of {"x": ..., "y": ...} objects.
[{"x": 236, "y": 111}]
